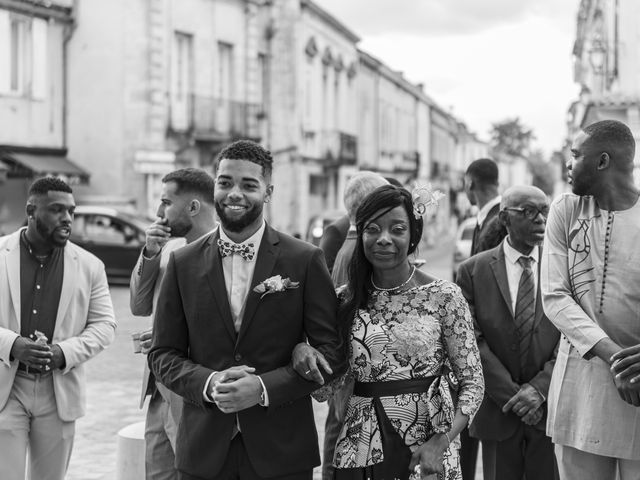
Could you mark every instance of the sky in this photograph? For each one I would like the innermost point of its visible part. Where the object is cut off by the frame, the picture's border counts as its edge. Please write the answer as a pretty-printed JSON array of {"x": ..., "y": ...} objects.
[{"x": 483, "y": 60}]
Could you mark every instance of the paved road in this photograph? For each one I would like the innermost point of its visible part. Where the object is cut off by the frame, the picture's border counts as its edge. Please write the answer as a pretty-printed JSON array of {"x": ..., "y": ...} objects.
[{"x": 114, "y": 379}]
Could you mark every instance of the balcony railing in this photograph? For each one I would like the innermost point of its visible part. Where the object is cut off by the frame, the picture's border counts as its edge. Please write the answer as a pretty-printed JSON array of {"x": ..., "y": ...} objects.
[
  {"x": 340, "y": 147},
  {"x": 211, "y": 117}
]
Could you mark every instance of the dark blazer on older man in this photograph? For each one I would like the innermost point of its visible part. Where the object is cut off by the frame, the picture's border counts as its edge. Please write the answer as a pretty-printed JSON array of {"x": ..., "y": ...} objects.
[
  {"x": 194, "y": 336},
  {"x": 484, "y": 283}
]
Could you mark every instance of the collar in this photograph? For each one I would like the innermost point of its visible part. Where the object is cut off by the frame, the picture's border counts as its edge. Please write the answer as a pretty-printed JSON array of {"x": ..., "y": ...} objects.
[
  {"x": 512, "y": 255},
  {"x": 256, "y": 238},
  {"x": 484, "y": 211}
]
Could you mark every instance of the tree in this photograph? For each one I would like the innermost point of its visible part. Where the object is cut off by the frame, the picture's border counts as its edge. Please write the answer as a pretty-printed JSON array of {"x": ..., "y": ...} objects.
[{"x": 511, "y": 137}]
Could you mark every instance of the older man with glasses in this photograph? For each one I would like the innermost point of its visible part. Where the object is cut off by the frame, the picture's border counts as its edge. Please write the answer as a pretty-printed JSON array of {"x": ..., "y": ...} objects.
[{"x": 517, "y": 343}]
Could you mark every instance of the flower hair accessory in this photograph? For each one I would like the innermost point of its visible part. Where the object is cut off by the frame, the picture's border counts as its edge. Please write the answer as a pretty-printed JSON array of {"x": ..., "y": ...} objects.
[
  {"x": 275, "y": 284},
  {"x": 424, "y": 197}
]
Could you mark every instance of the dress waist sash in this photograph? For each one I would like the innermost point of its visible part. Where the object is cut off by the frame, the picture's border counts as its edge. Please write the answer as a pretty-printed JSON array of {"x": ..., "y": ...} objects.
[{"x": 393, "y": 387}]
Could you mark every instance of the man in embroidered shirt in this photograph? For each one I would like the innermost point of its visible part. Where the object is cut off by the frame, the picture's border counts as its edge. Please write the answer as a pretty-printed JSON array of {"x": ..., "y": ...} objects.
[
  {"x": 517, "y": 343},
  {"x": 226, "y": 348},
  {"x": 590, "y": 279},
  {"x": 186, "y": 212},
  {"x": 55, "y": 314}
]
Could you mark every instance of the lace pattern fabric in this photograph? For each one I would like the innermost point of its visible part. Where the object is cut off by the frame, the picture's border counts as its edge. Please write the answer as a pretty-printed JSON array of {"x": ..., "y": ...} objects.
[{"x": 424, "y": 331}]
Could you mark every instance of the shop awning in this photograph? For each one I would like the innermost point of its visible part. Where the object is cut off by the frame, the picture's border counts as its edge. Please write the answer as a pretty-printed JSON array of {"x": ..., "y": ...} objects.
[{"x": 31, "y": 164}]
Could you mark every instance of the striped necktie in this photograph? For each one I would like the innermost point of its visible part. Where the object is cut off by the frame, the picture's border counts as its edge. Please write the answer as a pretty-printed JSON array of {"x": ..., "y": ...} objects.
[{"x": 525, "y": 309}]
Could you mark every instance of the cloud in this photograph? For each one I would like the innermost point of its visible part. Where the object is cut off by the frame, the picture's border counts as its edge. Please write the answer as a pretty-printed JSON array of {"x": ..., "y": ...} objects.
[{"x": 437, "y": 17}]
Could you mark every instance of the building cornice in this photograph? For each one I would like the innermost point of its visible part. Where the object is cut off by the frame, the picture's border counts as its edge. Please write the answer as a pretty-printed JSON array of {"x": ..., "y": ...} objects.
[
  {"x": 330, "y": 19},
  {"x": 37, "y": 8}
]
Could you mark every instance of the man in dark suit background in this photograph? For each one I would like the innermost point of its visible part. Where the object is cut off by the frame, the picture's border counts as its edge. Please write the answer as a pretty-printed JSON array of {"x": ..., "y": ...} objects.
[
  {"x": 247, "y": 414},
  {"x": 518, "y": 344},
  {"x": 481, "y": 187}
]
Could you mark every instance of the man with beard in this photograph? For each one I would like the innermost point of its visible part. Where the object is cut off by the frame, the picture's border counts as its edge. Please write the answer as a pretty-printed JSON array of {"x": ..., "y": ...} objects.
[
  {"x": 517, "y": 342},
  {"x": 186, "y": 212},
  {"x": 232, "y": 307},
  {"x": 590, "y": 278},
  {"x": 55, "y": 314}
]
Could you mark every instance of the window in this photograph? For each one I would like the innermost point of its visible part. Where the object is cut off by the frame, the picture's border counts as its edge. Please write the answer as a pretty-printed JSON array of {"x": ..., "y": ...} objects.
[
  {"x": 23, "y": 55},
  {"x": 181, "y": 81},
  {"x": 225, "y": 71}
]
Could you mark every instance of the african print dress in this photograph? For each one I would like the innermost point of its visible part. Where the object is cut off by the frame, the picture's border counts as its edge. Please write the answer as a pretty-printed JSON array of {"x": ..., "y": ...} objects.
[{"x": 422, "y": 332}]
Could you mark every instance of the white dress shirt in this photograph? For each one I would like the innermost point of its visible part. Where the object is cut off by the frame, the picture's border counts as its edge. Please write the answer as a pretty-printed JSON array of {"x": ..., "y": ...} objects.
[
  {"x": 514, "y": 270},
  {"x": 484, "y": 211},
  {"x": 238, "y": 274}
]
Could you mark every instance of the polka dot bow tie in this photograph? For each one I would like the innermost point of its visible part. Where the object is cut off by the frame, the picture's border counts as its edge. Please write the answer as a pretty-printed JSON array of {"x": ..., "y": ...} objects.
[{"x": 247, "y": 251}]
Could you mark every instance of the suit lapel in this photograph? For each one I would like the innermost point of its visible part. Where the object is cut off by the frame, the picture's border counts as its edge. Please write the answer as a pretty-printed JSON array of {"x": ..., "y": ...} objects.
[
  {"x": 500, "y": 273},
  {"x": 267, "y": 255},
  {"x": 69, "y": 276},
  {"x": 215, "y": 275}
]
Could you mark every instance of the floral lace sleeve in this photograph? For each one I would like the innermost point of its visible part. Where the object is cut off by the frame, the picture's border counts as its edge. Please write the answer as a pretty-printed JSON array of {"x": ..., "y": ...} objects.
[{"x": 462, "y": 349}]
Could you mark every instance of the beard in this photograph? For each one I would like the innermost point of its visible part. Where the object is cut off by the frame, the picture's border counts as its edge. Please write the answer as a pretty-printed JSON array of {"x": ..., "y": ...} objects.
[
  {"x": 236, "y": 225},
  {"x": 48, "y": 234},
  {"x": 580, "y": 187},
  {"x": 180, "y": 227}
]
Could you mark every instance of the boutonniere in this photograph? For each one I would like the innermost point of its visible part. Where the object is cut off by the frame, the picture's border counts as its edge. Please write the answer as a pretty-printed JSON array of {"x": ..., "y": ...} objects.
[{"x": 275, "y": 284}]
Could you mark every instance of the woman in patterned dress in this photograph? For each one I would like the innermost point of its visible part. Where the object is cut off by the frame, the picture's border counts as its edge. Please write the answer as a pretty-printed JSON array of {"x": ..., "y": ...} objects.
[{"x": 413, "y": 353}]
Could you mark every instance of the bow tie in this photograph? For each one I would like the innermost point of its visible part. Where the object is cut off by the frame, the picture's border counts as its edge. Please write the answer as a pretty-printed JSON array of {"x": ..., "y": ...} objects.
[{"x": 247, "y": 251}]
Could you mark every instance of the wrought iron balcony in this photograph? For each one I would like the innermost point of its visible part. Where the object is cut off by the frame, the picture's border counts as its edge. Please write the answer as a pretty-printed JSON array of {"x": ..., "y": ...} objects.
[{"x": 211, "y": 118}]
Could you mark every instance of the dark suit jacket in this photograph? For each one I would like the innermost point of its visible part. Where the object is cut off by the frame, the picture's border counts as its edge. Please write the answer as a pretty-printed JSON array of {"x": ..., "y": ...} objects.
[
  {"x": 484, "y": 283},
  {"x": 480, "y": 232},
  {"x": 332, "y": 239},
  {"x": 194, "y": 336}
]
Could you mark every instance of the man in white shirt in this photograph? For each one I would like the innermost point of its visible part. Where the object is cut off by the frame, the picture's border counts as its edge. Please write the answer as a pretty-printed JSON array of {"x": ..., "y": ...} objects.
[
  {"x": 186, "y": 212},
  {"x": 517, "y": 343},
  {"x": 232, "y": 307}
]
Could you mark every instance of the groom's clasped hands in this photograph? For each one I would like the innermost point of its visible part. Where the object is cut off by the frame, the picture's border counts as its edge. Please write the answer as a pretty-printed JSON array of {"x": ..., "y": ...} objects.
[{"x": 235, "y": 389}]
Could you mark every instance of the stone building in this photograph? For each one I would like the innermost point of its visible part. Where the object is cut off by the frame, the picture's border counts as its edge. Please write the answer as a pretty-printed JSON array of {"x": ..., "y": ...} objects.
[
  {"x": 34, "y": 133},
  {"x": 607, "y": 66}
]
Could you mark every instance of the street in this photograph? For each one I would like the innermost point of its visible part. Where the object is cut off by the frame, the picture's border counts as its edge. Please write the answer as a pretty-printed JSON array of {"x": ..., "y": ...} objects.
[{"x": 114, "y": 381}]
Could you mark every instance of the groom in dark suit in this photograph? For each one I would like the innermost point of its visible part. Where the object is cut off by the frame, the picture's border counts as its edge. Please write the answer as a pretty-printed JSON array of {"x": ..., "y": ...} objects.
[
  {"x": 518, "y": 344},
  {"x": 232, "y": 307}
]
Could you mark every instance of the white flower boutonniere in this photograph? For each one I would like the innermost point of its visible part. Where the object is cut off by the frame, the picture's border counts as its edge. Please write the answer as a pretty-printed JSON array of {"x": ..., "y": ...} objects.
[{"x": 275, "y": 284}]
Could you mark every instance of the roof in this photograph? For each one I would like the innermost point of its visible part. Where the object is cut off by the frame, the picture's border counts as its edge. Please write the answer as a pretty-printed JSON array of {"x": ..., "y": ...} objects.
[{"x": 330, "y": 19}]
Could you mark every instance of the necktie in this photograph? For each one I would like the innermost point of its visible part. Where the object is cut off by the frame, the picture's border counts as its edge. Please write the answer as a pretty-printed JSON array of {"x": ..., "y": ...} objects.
[
  {"x": 247, "y": 252},
  {"x": 525, "y": 309}
]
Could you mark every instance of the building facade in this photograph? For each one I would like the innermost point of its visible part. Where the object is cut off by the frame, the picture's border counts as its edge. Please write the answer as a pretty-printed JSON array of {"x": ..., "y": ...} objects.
[
  {"x": 161, "y": 84},
  {"x": 607, "y": 66},
  {"x": 33, "y": 138}
]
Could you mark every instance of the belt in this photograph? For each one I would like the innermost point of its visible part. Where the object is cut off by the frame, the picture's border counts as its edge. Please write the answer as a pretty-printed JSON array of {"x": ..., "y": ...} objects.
[
  {"x": 23, "y": 367},
  {"x": 393, "y": 387}
]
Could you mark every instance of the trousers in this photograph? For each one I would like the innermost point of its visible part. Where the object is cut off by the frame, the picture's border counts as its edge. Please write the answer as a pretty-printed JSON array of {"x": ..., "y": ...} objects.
[{"x": 30, "y": 422}]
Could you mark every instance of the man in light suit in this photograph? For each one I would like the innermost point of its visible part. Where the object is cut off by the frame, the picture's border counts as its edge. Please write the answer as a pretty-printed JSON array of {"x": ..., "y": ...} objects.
[
  {"x": 232, "y": 307},
  {"x": 55, "y": 314},
  {"x": 186, "y": 212},
  {"x": 518, "y": 344}
]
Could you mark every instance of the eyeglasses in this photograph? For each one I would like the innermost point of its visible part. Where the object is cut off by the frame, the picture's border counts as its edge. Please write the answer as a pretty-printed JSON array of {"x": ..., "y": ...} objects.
[{"x": 531, "y": 213}]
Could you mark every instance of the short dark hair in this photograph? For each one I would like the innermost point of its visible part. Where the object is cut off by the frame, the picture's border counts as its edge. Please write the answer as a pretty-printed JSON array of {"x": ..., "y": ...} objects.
[
  {"x": 483, "y": 171},
  {"x": 613, "y": 137},
  {"x": 382, "y": 199},
  {"x": 192, "y": 180},
  {"x": 251, "y": 151},
  {"x": 42, "y": 186}
]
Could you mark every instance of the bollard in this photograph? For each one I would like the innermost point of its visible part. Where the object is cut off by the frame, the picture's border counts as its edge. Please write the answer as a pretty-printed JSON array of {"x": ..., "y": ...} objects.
[{"x": 130, "y": 453}]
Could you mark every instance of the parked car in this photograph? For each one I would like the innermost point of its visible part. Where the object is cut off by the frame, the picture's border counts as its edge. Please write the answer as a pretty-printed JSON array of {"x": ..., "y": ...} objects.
[
  {"x": 464, "y": 237},
  {"x": 319, "y": 222},
  {"x": 114, "y": 236}
]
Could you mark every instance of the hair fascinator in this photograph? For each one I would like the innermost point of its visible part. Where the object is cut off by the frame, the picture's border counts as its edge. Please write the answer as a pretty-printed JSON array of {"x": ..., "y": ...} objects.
[{"x": 424, "y": 197}]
